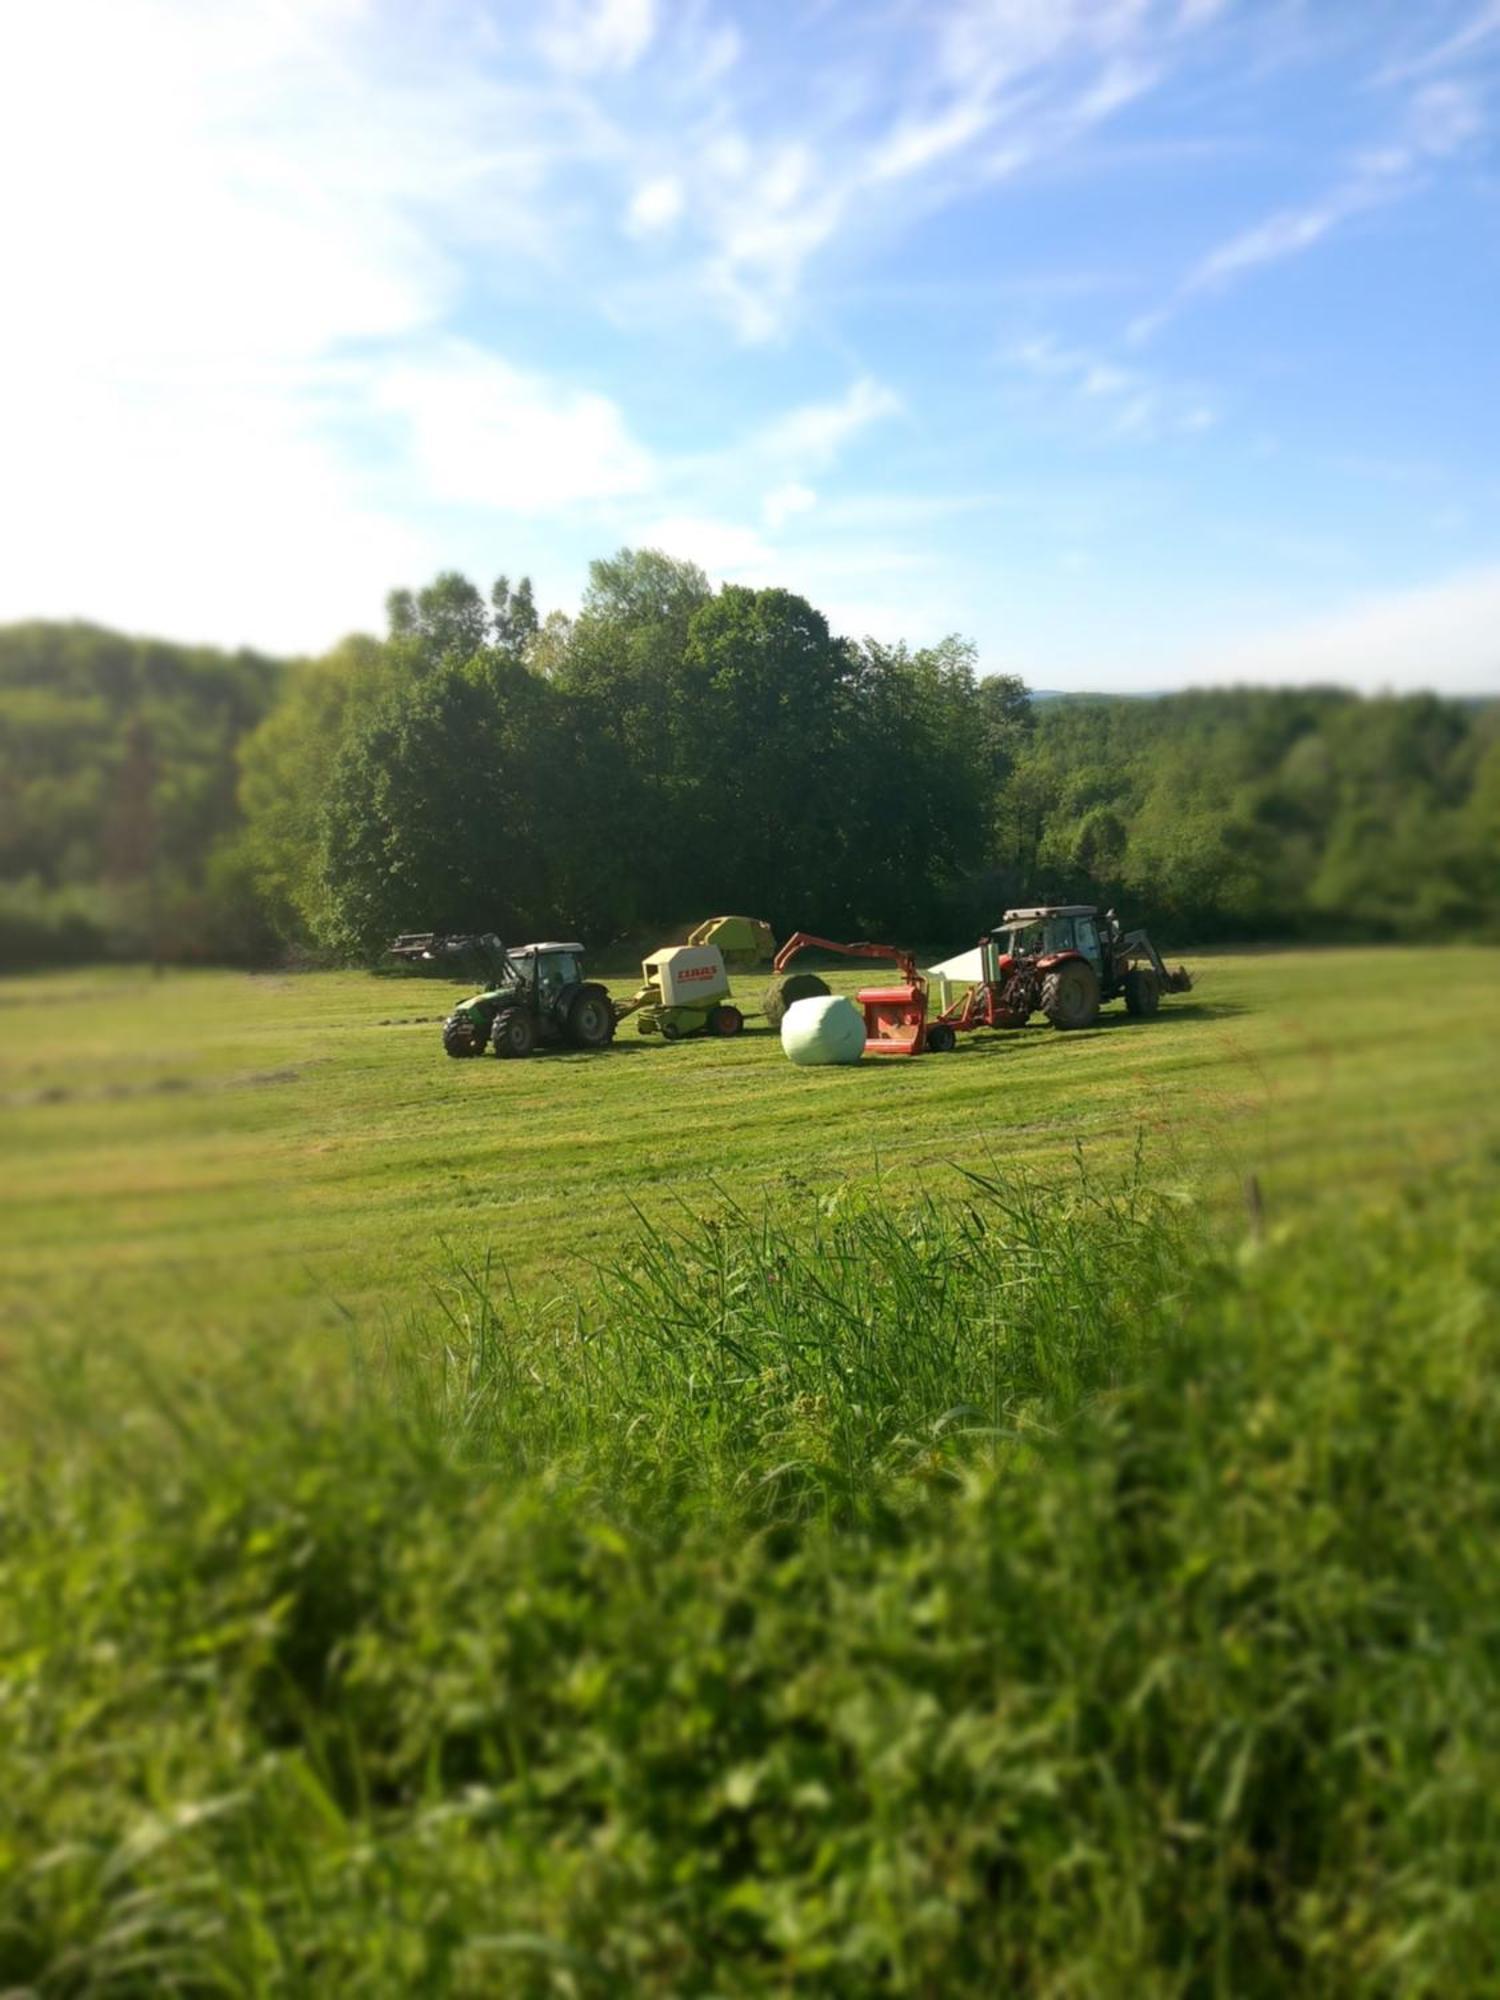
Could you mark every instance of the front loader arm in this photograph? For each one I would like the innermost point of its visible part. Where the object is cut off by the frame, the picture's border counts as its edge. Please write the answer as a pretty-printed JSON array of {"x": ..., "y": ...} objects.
[
  {"x": 1137, "y": 944},
  {"x": 905, "y": 964}
]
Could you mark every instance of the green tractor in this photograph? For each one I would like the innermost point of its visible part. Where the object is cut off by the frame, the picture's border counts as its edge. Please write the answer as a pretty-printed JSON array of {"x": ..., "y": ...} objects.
[{"x": 540, "y": 996}]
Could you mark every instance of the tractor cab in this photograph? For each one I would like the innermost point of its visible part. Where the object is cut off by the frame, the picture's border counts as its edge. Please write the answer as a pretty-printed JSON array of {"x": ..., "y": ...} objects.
[
  {"x": 1051, "y": 931},
  {"x": 543, "y": 970}
]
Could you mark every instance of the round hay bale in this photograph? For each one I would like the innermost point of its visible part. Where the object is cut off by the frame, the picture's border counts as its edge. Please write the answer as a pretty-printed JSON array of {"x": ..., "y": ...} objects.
[
  {"x": 786, "y": 989},
  {"x": 824, "y": 1029}
]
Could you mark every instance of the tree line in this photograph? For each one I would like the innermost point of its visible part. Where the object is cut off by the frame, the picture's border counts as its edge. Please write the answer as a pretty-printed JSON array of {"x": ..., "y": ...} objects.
[{"x": 675, "y": 750}]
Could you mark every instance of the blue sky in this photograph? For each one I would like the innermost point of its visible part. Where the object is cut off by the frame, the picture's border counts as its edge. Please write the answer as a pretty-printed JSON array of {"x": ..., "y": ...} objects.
[{"x": 1143, "y": 341}]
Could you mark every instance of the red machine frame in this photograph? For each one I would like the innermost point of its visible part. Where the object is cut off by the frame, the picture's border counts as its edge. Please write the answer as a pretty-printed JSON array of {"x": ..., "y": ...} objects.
[
  {"x": 1018, "y": 980},
  {"x": 895, "y": 1016}
]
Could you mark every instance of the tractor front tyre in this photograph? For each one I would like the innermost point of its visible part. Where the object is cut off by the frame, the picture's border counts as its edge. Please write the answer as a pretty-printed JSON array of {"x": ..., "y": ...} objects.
[
  {"x": 591, "y": 1021},
  {"x": 1142, "y": 992},
  {"x": 1070, "y": 995},
  {"x": 514, "y": 1033},
  {"x": 462, "y": 1038},
  {"x": 789, "y": 987},
  {"x": 725, "y": 1020},
  {"x": 940, "y": 1038}
]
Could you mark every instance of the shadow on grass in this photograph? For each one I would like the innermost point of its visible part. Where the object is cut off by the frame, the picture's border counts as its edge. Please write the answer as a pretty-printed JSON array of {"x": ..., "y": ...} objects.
[{"x": 1035, "y": 1032}]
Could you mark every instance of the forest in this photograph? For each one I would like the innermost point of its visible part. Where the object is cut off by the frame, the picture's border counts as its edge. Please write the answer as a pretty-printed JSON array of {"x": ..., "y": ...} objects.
[{"x": 675, "y": 749}]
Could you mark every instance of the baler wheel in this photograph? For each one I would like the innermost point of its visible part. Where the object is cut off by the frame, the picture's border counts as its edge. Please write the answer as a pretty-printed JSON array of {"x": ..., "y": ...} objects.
[
  {"x": 1070, "y": 995},
  {"x": 789, "y": 987},
  {"x": 940, "y": 1038},
  {"x": 1142, "y": 992},
  {"x": 725, "y": 1020}
]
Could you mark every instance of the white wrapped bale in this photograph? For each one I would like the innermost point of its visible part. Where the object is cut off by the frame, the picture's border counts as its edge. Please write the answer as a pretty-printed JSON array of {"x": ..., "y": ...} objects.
[{"x": 826, "y": 1029}]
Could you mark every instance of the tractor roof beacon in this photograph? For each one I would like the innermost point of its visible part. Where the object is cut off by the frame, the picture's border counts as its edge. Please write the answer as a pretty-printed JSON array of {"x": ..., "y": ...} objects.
[{"x": 539, "y": 995}]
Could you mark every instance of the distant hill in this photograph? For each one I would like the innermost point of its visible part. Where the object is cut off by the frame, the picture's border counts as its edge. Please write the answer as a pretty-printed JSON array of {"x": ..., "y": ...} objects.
[{"x": 117, "y": 777}]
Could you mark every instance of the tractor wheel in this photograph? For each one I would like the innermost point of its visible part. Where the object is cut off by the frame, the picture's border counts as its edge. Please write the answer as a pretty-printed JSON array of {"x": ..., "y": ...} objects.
[
  {"x": 460, "y": 1038},
  {"x": 514, "y": 1033},
  {"x": 789, "y": 987},
  {"x": 940, "y": 1038},
  {"x": 591, "y": 1020},
  {"x": 725, "y": 1020},
  {"x": 1070, "y": 995},
  {"x": 1142, "y": 992}
]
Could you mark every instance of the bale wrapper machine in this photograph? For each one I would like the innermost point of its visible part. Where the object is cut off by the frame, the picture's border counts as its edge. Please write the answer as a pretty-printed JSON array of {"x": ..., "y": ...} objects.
[{"x": 896, "y": 1021}]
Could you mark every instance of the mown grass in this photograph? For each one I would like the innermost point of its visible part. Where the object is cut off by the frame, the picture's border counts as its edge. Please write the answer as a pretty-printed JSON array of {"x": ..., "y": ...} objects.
[
  {"x": 220, "y": 1157},
  {"x": 1039, "y": 1594}
]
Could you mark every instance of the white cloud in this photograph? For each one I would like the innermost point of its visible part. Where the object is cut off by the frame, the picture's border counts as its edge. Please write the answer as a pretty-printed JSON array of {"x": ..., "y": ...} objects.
[
  {"x": 722, "y": 548},
  {"x": 1443, "y": 635},
  {"x": 489, "y": 435},
  {"x": 237, "y": 233},
  {"x": 920, "y": 142},
  {"x": 583, "y": 37},
  {"x": 1118, "y": 402},
  {"x": 655, "y": 206},
  {"x": 767, "y": 214},
  {"x": 193, "y": 510},
  {"x": 1440, "y": 120},
  {"x": 1277, "y": 237},
  {"x": 780, "y": 505},
  {"x": 814, "y": 434},
  {"x": 1480, "y": 28},
  {"x": 983, "y": 88},
  {"x": 1444, "y": 118}
]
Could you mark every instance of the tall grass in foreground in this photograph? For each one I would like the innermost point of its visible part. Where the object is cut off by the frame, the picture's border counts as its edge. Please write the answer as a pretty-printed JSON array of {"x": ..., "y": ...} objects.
[
  {"x": 1179, "y": 1679},
  {"x": 795, "y": 1366}
]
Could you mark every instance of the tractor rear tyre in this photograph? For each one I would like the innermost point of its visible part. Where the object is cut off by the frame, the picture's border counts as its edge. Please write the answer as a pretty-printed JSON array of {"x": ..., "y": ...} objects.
[
  {"x": 789, "y": 987},
  {"x": 591, "y": 1020},
  {"x": 514, "y": 1033},
  {"x": 725, "y": 1020},
  {"x": 461, "y": 1039},
  {"x": 940, "y": 1038},
  {"x": 1070, "y": 994},
  {"x": 1142, "y": 992}
]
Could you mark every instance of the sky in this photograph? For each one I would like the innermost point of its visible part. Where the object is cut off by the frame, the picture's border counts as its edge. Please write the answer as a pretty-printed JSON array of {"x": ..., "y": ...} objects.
[{"x": 1144, "y": 342}]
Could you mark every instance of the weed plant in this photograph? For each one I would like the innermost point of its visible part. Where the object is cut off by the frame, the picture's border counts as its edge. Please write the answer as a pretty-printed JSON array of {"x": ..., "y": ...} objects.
[{"x": 1028, "y": 1594}]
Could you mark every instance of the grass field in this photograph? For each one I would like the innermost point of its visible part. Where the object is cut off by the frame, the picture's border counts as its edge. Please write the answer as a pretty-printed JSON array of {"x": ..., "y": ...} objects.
[
  {"x": 967, "y": 1552},
  {"x": 258, "y": 1155}
]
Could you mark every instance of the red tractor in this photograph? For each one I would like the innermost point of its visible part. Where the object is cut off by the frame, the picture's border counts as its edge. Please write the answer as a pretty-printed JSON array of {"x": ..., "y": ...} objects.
[{"x": 1065, "y": 959}]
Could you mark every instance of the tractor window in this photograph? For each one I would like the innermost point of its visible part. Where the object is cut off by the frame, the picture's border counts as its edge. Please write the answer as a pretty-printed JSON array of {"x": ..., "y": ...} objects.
[
  {"x": 1085, "y": 932},
  {"x": 1060, "y": 934},
  {"x": 559, "y": 968}
]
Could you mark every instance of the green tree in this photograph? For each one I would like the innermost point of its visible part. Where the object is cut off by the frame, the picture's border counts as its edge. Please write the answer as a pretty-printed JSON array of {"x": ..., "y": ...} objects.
[
  {"x": 440, "y": 812},
  {"x": 285, "y": 768}
]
